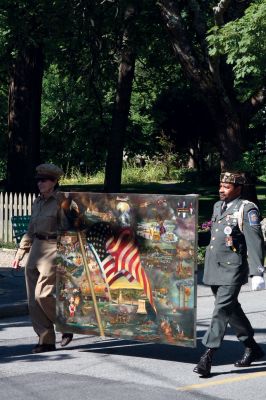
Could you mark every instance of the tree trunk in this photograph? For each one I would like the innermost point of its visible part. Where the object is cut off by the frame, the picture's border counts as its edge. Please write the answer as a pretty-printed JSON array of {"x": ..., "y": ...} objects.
[
  {"x": 229, "y": 126},
  {"x": 24, "y": 112},
  {"x": 230, "y": 142},
  {"x": 114, "y": 162},
  {"x": 191, "y": 161},
  {"x": 209, "y": 79}
]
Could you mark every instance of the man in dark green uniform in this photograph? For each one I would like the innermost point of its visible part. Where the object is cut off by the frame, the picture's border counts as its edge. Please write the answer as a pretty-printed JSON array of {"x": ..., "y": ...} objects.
[{"x": 236, "y": 251}]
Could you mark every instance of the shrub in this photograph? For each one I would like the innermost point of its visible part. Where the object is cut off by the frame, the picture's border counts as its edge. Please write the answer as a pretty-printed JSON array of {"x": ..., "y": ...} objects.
[
  {"x": 153, "y": 171},
  {"x": 201, "y": 255},
  {"x": 254, "y": 162},
  {"x": 74, "y": 176},
  {"x": 189, "y": 175},
  {"x": 206, "y": 226}
]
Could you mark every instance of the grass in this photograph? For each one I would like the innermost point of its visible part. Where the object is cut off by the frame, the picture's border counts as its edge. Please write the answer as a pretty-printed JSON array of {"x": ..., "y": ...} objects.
[
  {"x": 208, "y": 195},
  {"x": 151, "y": 179},
  {"x": 152, "y": 171},
  {"x": 7, "y": 245}
]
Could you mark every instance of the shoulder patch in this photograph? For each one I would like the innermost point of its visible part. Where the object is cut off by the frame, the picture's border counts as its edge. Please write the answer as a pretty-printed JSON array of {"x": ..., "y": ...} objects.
[{"x": 253, "y": 217}]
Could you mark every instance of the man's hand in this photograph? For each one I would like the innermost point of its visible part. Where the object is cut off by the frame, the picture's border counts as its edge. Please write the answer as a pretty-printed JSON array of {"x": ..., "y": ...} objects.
[
  {"x": 16, "y": 264},
  {"x": 74, "y": 207},
  {"x": 257, "y": 283},
  {"x": 18, "y": 257}
]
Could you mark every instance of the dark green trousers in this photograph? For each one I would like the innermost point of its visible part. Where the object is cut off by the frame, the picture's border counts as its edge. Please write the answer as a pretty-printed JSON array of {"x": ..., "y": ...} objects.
[{"x": 227, "y": 310}]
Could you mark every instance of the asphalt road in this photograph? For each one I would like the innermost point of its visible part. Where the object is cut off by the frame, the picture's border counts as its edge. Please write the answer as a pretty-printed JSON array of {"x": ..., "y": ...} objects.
[{"x": 90, "y": 368}]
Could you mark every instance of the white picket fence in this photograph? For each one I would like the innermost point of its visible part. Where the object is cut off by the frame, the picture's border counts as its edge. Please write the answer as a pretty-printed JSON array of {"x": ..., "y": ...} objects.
[{"x": 13, "y": 204}]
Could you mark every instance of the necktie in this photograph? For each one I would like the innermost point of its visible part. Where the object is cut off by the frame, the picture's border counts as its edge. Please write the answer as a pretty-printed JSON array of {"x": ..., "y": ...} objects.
[{"x": 224, "y": 207}]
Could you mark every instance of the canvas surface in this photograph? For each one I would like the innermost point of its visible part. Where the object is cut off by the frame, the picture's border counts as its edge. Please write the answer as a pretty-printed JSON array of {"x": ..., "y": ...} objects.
[{"x": 126, "y": 267}]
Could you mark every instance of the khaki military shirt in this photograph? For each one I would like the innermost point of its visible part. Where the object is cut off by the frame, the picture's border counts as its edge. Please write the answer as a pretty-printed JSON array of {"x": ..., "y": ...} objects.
[{"x": 45, "y": 220}]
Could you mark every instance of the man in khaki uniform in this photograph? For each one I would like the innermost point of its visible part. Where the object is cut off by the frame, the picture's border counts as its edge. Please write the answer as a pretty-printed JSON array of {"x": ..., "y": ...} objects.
[{"x": 40, "y": 271}]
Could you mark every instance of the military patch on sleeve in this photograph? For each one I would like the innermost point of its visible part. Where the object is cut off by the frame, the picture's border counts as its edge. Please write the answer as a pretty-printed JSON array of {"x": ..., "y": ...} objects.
[{"x": 253, "y": 217}]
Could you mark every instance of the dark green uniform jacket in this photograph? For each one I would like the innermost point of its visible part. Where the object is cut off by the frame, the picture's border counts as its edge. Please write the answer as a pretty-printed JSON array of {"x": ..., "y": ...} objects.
[{"x": 232, "y": 255}]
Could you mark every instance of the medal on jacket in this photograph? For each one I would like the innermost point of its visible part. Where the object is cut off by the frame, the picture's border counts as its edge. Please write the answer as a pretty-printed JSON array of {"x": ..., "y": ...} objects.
[{"x": 228, "y": 238}]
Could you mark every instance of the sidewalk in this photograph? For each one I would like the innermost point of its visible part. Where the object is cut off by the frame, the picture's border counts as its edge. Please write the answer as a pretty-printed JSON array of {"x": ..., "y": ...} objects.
[{"x": 13, "y": 297}]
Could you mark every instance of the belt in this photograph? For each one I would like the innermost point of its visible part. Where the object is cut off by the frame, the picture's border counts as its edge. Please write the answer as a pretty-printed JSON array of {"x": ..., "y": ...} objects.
[{"x": 45, "y": 237}]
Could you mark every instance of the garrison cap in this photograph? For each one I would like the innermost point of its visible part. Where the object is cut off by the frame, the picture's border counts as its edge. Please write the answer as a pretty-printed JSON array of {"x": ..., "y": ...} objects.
[
  {"x": 49, "y": 171},
  {"x": 236, "y": 178}
]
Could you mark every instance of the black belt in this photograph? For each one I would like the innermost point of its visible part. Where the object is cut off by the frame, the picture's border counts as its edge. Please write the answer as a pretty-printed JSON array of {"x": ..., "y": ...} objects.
[{"x": 45, "y": 237}]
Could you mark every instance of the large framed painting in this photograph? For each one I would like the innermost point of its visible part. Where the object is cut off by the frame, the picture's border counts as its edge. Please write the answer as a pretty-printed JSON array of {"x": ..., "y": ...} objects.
[{"x": 126, "y": 266}]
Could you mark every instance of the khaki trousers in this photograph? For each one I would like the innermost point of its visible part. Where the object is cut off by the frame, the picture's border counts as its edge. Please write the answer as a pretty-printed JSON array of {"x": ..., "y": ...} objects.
[{"x": 40, "y": 272}]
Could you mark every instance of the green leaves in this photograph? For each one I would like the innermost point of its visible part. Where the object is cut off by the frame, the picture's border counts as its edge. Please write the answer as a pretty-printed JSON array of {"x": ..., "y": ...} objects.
[{"x": 243, "y": 43}]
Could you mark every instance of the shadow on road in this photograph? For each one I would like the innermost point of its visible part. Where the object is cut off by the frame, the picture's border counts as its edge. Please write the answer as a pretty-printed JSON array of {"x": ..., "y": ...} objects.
[
  {"x": 23, "y": 352},
  {"x": 230, "y": 351},
  {"x": 228, "y": 354}
]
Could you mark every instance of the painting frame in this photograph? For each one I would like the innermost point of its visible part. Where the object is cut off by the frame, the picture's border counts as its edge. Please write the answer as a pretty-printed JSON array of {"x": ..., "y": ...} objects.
[{"x": 126, "y": 266}]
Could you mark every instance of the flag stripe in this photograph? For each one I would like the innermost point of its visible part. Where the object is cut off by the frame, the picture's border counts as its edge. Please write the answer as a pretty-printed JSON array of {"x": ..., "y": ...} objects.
[
  {"x": 119, "y": 256},
  {"x": 123, "y": 255}
]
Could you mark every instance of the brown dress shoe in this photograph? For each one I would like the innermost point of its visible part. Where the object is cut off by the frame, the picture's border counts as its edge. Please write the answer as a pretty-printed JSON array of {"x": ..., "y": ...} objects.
[
  {"x": 43, "y": 348},
  {"x": 250, "y": 355},
  {"x": 204, "y": 365},
  {"x": 66, "y": 339}
]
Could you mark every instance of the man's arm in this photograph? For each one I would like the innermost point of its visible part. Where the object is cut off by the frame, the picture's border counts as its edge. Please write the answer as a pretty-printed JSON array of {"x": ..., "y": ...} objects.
[{"x": 255, "y": 245}]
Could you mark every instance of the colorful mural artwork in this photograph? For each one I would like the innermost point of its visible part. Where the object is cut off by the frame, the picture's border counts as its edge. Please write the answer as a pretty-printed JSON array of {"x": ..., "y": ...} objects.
[{"x": 126, "y": 266}]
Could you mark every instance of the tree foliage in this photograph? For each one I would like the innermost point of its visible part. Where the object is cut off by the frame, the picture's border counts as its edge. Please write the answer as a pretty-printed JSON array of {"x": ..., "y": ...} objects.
[
  {"x": 243, "y": 43},
  {"x": 198, "y": 82}
]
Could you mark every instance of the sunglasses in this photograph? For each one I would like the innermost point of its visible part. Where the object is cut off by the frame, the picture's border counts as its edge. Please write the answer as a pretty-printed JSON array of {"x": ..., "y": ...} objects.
[{"x": 43, "y": 180}]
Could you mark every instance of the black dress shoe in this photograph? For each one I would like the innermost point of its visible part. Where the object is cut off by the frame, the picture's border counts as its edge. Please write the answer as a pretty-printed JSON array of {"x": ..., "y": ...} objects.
[
  {"x": 204, "y": 366},
  {"x": 43, "y": 348},
  {"x": 66, "y": 339},
  {"x": 250, "y": 355}
]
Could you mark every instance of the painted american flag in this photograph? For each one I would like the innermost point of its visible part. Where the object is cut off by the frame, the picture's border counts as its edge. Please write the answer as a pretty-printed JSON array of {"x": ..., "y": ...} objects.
[{"x": 117, "y": 255}]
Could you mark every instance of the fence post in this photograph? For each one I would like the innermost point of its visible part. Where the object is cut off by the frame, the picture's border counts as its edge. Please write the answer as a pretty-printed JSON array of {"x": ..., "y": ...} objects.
[
  {"x": 24, "y": 205},
  {"x": 31, "y": 199},
  {"x": 10, "y": 213},
  {"x": 1, "y": 216},
  {"x": 15, "y": 204},
  {"x": 5, "y": 217},
  {"x": 19, "y": 204}
]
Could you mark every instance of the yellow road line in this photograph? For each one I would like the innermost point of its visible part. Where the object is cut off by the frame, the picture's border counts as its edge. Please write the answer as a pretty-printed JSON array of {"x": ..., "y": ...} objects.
[{"x": 253, "y": 375}]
